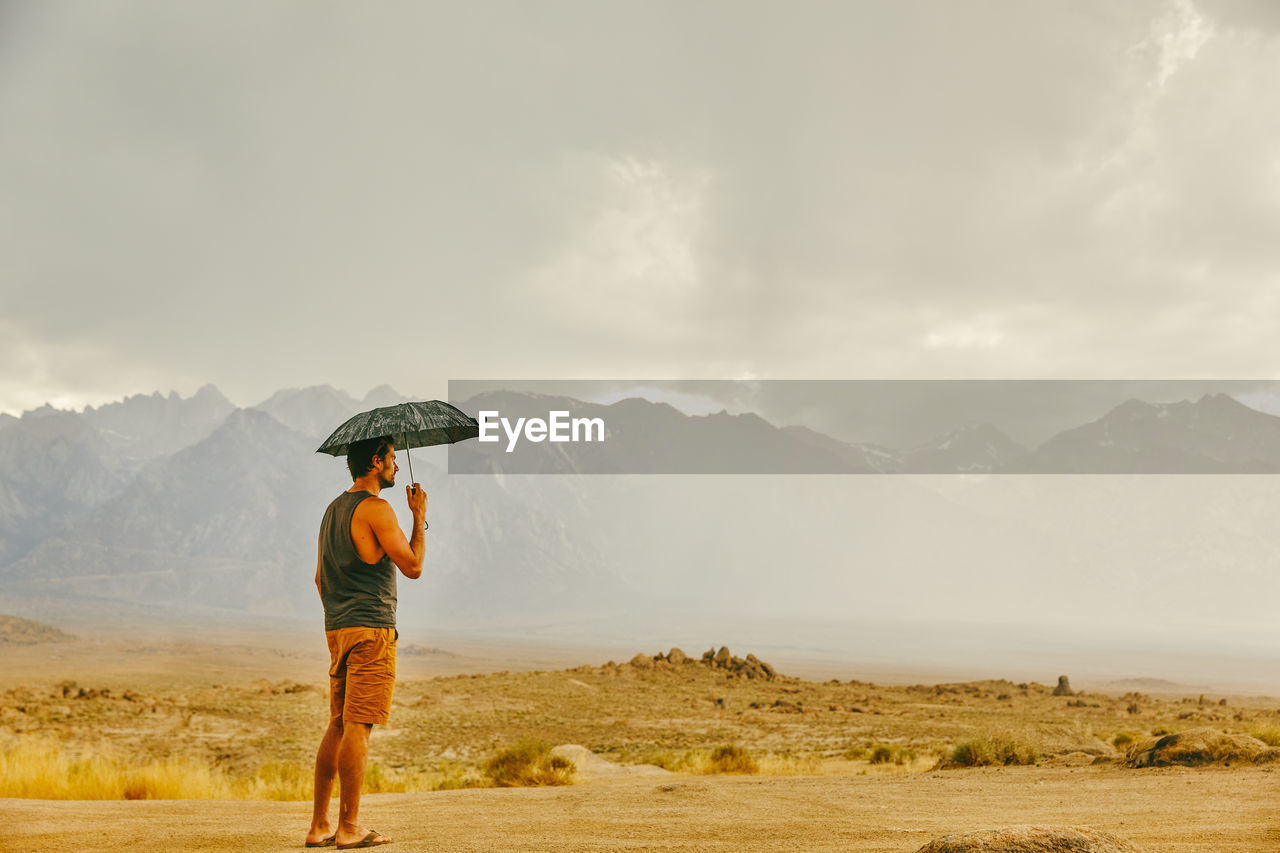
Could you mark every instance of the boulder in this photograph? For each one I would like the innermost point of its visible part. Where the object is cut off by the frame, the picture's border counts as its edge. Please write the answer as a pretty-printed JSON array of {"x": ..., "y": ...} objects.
[
  {"x": 1031, "y": 839},
  {"x": 1064, "y": 687},
  {"x": 722, "y": 657},
  {"x": 756, "y": 668},
  {"x": 1200, "y": 747},
  {"x": 642, "y": 661},
  {"x": 769, "y": 672},
  {"x": 588, "y": 765},
  {"x": 677, "y": 657}
]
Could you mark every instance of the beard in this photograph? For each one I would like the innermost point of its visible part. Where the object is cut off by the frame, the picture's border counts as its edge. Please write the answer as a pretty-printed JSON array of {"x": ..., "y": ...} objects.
[{"x": 386, "y": 481}]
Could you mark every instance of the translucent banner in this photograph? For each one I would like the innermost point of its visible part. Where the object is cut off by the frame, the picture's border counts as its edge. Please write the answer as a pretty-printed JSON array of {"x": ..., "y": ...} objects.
[{"x": 869, "y": 427}]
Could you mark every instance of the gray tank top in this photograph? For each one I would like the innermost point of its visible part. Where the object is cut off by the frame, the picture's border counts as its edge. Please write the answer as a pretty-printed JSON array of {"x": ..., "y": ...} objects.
[{"x": 355, "y": 594}]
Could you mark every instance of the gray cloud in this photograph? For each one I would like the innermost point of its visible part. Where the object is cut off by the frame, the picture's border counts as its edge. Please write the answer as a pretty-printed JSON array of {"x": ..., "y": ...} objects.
[{"x": 293, "y": 193}]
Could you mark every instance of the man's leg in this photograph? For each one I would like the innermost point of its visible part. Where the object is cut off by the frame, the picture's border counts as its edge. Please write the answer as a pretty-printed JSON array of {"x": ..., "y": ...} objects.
[
  {"x": 326, "y": 770},
  {"x": 352, "y": 754},
  {"x": 370, "y": 677},
  {"x": 327, "y": 754}
]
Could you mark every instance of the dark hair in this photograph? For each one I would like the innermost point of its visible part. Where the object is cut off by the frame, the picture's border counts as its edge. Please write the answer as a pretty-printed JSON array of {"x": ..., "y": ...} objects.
[{"x": 360, "y": 454}]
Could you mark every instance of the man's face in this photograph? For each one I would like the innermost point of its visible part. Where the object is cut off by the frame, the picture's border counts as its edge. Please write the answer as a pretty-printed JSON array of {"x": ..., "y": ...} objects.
[{"x": 386, "y": 469}]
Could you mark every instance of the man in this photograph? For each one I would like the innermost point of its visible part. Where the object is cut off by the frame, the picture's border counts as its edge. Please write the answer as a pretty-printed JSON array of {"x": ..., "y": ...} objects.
[{"x": 360, "y": 540}]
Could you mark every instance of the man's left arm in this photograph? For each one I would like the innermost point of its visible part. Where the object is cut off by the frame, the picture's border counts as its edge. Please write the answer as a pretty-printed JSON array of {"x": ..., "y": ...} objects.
[
  {"x": 406, "y": 554},
  {"x": 319, "y": 563}
]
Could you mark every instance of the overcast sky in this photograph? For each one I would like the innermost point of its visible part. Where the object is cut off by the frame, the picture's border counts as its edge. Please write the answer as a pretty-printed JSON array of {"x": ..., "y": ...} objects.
[{"x": 273, "y": 194}]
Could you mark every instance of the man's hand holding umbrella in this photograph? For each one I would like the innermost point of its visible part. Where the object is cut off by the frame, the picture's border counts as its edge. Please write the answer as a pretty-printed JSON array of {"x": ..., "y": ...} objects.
[{"x": 417, "y": 497}]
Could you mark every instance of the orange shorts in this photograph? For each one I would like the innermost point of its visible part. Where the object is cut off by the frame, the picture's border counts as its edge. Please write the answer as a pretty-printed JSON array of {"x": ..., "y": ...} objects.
[{"x": 362, "y": 674}]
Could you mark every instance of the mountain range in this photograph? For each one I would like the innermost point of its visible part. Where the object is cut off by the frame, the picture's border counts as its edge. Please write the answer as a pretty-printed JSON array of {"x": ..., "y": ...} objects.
[{"x": 195, "y": 506}]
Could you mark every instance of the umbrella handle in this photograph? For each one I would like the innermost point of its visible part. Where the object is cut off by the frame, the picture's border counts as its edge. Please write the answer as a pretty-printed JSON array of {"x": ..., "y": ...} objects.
[{"x": 409, "y": 456}]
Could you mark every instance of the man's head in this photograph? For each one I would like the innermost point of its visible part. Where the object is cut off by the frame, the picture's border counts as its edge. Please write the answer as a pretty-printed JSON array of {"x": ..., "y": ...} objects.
[{"x": 365, "y": 456}]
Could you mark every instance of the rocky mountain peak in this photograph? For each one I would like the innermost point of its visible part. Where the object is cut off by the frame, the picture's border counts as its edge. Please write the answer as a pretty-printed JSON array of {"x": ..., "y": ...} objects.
[
  {"x": 383, "y": 395},
  {"x": 315, "y": 411}
]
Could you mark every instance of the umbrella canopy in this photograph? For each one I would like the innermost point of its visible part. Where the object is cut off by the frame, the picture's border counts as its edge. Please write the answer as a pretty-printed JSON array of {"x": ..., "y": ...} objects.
[{"x": 408, "y": 424}]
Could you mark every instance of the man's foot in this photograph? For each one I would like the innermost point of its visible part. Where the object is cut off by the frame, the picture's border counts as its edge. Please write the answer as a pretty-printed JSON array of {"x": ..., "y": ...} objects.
[
  {"x": 372, "y": 839},
  {"x": 318, "y": 838}
]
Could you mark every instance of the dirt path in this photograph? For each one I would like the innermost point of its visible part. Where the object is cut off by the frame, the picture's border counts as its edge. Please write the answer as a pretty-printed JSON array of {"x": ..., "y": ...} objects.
[{"x": 1166, "y": 810}]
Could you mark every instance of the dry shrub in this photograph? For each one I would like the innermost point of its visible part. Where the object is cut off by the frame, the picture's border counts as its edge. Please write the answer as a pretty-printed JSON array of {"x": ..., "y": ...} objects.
[
  {"x": 729, "y": 758},
  {"x": 892, "y": 753},
  {"x": 988, "y": 750},
  {"x": 1270, "y": 735},
  {"x": 732, "y": 758},
  {"x": 528, "y": 763},
  {"x": 1123, "y": 739}
]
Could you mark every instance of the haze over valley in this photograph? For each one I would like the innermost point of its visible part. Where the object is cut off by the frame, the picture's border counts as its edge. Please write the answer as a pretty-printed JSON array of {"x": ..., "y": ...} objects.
[{"x": 170, "y": 510}]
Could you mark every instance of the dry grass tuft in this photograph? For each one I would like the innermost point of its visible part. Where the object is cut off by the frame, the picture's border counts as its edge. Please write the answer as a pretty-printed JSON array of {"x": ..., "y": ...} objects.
[
  {"x": 891, "y": 753},
  {"x": 732, "y": 758},
  {"x": 1270, "y": 735},
  {"x": 453, "y": 777},
  {"x": 729, "y": 758},
  {"x": 1123, "y": 739},
  {"x": 41, "y": 769},
  {"x": 989, "y": 750},
  {"x": 276, "y": 781},
  {"x": 528, "y": 763}
]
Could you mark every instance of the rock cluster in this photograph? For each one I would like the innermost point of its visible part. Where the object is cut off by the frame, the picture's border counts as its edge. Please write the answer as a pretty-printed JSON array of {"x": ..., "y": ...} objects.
[{"x": 748, "y": 667}]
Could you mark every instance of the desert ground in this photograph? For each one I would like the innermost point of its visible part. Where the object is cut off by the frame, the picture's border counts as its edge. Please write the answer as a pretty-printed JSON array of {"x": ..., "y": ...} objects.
[
  {"x": 1178, "y": 811},
  {"x": 834, "y": 764}
]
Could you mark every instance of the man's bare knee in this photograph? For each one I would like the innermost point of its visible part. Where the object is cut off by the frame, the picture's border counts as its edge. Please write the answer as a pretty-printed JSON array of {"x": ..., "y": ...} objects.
[{"x": 356, "y": 729}]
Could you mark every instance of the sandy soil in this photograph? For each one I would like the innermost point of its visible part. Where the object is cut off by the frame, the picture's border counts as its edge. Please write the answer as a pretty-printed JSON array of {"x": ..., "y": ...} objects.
[
  {"x": 1176, "y": 810},
  {"x": 119, "y": 662},
  {"x": 205, "y": 699}
]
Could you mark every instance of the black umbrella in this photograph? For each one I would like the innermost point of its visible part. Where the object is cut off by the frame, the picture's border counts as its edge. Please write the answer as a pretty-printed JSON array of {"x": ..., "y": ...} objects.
[{"x": 408, "y": 424}]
